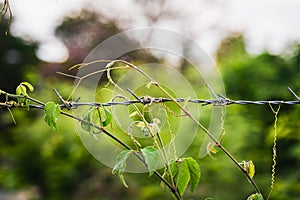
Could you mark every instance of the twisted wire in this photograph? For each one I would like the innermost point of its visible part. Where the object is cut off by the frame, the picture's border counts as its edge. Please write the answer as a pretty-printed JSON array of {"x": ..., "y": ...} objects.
[{"x": 222, "y": 101}]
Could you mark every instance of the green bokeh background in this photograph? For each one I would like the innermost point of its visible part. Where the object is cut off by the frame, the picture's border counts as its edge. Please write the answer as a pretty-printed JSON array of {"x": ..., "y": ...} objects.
[{"x": 45, "y": 164}]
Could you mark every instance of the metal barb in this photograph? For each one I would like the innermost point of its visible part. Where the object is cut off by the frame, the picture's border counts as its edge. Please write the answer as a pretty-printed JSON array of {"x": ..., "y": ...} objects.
[
  {"x": 211, "y": 91},
  {"x": 67, "y": 104},
  {"x": 135, "y": 96},
  {"x": 293, "y": 93}
]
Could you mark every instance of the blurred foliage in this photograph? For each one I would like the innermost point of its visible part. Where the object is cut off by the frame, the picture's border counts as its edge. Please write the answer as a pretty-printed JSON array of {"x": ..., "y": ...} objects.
[
  {"x": 250, "y": 128},
  {"x": 59, "y": 166},
  {"x": 16, "y": 58}
]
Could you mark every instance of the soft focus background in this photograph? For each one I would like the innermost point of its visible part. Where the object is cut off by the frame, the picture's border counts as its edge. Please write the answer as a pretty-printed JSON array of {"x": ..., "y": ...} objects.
[{"x": 255, "y": 45}]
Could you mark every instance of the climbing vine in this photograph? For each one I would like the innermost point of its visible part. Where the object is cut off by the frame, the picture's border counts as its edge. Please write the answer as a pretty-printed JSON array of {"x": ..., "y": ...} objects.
[{"x": 99, "y": 118}]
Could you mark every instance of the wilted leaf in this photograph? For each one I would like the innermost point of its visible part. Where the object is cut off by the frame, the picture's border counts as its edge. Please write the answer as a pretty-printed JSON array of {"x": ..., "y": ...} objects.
[
  {"x": 210, "y": 148},
  {"x": 120, "y": 165},
  {"x": 87, "y": 117},
  {"x": 52, "y": 113}
]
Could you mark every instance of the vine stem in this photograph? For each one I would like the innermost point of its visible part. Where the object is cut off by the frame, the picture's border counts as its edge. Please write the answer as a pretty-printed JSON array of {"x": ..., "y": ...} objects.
[
  {"x": 160, "y": 144},
  {"x": 274, "y": 147},
  {"x": 173, "y": 190},
  {"x": 187, "y": 113},
  {"x": 101, "y": 129}
]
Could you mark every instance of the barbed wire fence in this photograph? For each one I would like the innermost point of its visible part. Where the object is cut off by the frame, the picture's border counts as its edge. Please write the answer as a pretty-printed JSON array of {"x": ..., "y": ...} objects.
[{"x": 219, "y": 100}]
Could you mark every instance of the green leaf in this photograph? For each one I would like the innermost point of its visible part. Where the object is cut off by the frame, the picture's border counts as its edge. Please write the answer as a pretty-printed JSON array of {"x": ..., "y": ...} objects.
[
  {"x": 120, "y": 165},
  {"x": 151, "y": 156},
  {"x": 28, "y": 85},
  {"x": 135, "y": 113},
  {"x": 52, "y": 112},
  {"x": 255, "y": 197},
  {"x": 140, "y": 124},
  {"x": 186, "y": 171},
  {"x": 87, "y": 117},
  {"x": 174, "y": 168},
  {"x": 250, "y": 169},
  {"x": 194, "y": 172},
  {"x": 183, "y": 176},
  {"x": 107, "y": 118},
  {"x": 95, "y": 117},
  {"x": 22, "y": 88}
]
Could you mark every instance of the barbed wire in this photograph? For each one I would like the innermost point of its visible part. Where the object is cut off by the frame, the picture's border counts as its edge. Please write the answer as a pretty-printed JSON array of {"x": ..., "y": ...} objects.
[{"x": 219, "y": 100}]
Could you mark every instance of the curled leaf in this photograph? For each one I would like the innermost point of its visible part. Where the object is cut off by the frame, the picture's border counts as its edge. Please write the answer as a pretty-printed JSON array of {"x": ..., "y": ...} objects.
[
  {"x": 28, "y": 85},
  {"x": 22, "y": 88},
  {"x": 22, "y": 91},
  {"x": 249, "y": 168},
  {"x": 87, "y": 118},
  {"x": 120, "y": 165},
  {"x": 210, "y": 149},
  {"x": 106, "y": 118},
  {"x": 52, "y": 113}
]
